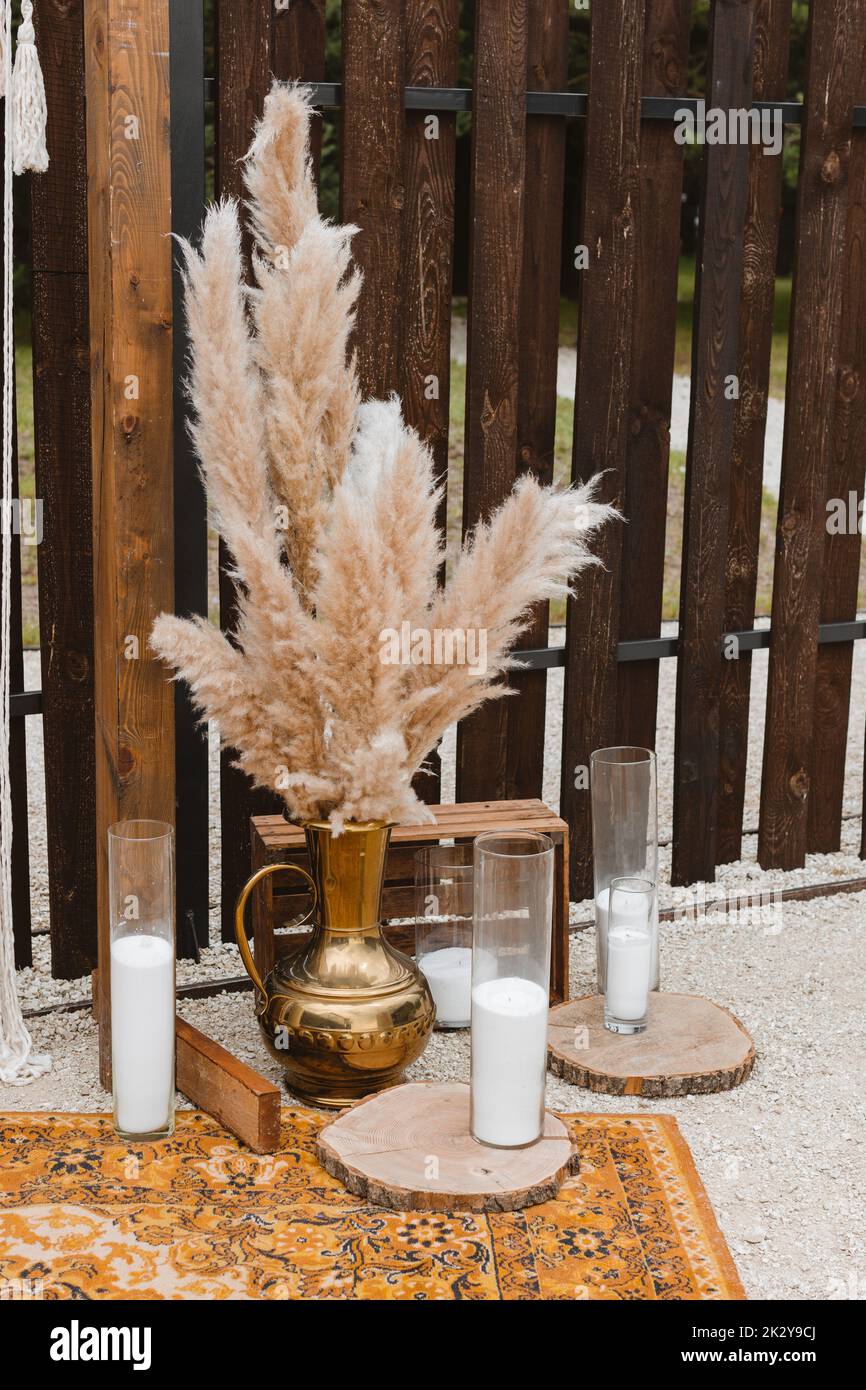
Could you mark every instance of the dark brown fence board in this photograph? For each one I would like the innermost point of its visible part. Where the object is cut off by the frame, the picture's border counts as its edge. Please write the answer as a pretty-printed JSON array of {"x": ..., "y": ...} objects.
[
  {"x": 837, "y": 31},
  {"x": 243, "y": 79},
  {"x": 760, "y": 244},
  {"x": 496, "y": 240},
  {"x": 299, "y": 52},
  {"x": 665, "y": 74},
  {"x": 21, "y": 923},
  {"x": 538, "y": 359},
  {"x": 602, "y": 397},
  {"x": 432, "y": 32},
  {"x": 718, "y": 283},
  {"x": 61, "y": 408},
  {"x": 371, "y": 187},
  {"x": 842, "y": 551}
]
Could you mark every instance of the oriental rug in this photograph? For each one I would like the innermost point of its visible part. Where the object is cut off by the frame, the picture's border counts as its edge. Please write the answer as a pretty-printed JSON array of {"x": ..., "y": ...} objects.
[{"x": 84, "y": 1215}]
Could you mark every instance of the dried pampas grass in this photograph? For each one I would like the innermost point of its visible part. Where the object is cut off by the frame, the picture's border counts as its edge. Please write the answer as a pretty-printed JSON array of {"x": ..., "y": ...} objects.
[{"x": 349, "y": 662}]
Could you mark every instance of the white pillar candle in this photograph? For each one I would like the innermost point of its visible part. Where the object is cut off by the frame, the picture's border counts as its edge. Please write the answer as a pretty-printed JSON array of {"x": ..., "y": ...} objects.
[
  {"x": 142, "y": 1031},
  {"x": 630, "y": 912},
  {"x": 509, "y": 1061},
  {"x": 629, "y": 961},
  {"x": 449, "y": 975}
]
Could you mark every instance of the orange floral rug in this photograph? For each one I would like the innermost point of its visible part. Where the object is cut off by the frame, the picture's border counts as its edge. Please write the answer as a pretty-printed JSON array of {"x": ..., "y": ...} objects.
[{"x": 84, "y": 1215}]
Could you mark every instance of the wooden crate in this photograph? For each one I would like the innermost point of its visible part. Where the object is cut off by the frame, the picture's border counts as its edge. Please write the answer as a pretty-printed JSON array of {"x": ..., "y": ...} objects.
[{"x": 279, "y": 903}]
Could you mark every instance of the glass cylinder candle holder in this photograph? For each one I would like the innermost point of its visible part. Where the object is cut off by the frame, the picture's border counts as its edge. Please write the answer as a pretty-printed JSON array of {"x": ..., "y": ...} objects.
[
  {"x": 443, "y": 929},
  {"x": 513, "y": 894},
  {"x": 141, "y": 902},
  {"x": 624, "y": 834},
  {"x": 632, "y": 928}
]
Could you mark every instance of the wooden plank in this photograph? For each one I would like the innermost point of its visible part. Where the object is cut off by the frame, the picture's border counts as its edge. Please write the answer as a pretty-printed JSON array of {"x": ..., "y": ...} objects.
[
  {"x": 432, "y": 32},
  {"x": 243, "y": 59},
  {"x": 372, "y": 191},
  {"x": 186, "y": 32},
  {"x": 665, "y": 74},
  {"x": 837, "y": 32},
  {"x": 20, "y": 865},
  {"x": 845, "y": 479},
  {"x": 129, "y": 264},
  {"x": 760, "y": 244},
  {"x": 496, "y": 242},
  {"x": 299, "y": 53},
  {"x": 718, "y": 283},
  {"x": 228, "y": 1089},
  {"x": 538, "y": 355},
  {"x": 61, "y": 409},
  {"x": 601, "y": 407}
]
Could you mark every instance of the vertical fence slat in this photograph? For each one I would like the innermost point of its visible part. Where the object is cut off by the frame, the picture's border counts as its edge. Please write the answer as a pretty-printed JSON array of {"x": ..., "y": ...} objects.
[
  {"x": 21, "y": 923},
  {"x": 837, "y": 31},
  {"x": 130, "y": 300},
  {"x": 602, "y": 400},
  {"x": 186, "y": 19},
  {"x": 371, "y": 187},
  {"x": 842, "y": 550},
  {"x": 299, "y": 53},
  {"x": 432, "y": 31},
  {"x": 61, "y": 408},
  {"x": 243, "y": 77},
  {"x": 665, "y": 73},
  {"x": 714, "y": 361},
  {"x": 763, "y": 215},
  {"x": 538, "y": 357},
  {"x": 496, "y": 242}
]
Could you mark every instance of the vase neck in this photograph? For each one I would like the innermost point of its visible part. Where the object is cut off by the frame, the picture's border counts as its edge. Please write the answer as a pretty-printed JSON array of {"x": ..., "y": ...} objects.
[{"x": 349, "y": 871}]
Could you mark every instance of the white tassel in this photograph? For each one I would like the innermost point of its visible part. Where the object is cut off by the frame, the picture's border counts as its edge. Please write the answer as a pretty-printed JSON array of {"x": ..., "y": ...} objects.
[{"x": 29, "y": 113}]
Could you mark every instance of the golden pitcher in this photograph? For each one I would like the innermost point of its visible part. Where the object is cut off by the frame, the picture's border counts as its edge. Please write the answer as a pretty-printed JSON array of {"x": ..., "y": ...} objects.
[{"x": 344, "y": 1012}]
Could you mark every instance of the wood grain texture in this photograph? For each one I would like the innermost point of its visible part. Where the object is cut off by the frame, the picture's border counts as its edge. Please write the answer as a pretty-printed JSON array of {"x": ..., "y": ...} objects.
[
  {"x": 432, "y": 32},
  {"x": 603, "y": 393},
  {"x": 130, "y": 309},
  {"x": 718, "y": 282},
  {"x": 538, "y": 358},
  {"x": 299, "y": 54},
  {"x": 243, "y": 56},
  {"x": 496, "y": 242},
  {"x": 837, "y": 32},
  {"x": 380, "y": 1150},
  {"x": 845, "y": 476},
  {"x": 760, "y": 244},
  {"x": 228, "y": 1089},
  {"x": 690, "y": 1047},
  {"x": 665, "y": 74},
  {"x": 372, "y": 172}
]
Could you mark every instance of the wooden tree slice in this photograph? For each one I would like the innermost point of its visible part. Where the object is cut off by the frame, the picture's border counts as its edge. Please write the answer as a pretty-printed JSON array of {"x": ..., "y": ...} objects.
[
  {"x": 690, "y": 1046},
  {"x": 410, "y": 1149}
]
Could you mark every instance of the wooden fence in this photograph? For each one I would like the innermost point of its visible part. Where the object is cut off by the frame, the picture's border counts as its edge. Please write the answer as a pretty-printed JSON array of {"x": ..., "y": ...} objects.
[{"x": 102, "y": 315}]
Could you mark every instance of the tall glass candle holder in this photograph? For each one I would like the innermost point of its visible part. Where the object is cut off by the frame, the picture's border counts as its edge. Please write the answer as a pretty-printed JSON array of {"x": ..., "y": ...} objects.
[
  {"x": 632, "y": 928},
  {"x": 510, "y": 987},
  {"x": 141, "y": 902},
  {"x": 624, "y": 834},
  {"x": 443, "y": 929}
]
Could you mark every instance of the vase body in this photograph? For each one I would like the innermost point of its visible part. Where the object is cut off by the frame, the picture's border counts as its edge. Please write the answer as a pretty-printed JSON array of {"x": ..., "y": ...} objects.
[{"x": 344, "y": 1013}]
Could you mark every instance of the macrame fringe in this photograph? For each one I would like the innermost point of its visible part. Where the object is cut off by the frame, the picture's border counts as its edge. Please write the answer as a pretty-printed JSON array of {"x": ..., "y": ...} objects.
[{"x": 29, "y": 112}]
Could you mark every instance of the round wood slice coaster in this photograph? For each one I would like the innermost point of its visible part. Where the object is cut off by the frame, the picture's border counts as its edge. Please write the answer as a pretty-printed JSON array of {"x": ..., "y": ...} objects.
[
  {"x": 410, "y": 1149},
  {"x": 690, "y": 1047}
]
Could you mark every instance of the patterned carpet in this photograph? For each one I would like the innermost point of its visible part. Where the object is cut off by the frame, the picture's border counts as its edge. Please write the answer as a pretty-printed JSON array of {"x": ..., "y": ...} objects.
[{"x": 84, "y": 1216}]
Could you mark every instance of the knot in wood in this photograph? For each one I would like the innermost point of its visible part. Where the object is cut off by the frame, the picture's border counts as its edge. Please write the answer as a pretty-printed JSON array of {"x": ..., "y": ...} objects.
[
  {"x": 849, "y": 384},
  {"x": 831, "y": 169},
  {"x": 799, "y": 784}
]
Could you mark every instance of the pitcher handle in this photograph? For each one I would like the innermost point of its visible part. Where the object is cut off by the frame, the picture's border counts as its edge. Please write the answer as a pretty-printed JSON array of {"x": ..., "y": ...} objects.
[{"x": 240, "y": 930}]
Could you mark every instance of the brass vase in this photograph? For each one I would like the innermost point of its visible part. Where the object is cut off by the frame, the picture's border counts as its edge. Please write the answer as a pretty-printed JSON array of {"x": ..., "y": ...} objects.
[{"x": 344, "y": 1012}]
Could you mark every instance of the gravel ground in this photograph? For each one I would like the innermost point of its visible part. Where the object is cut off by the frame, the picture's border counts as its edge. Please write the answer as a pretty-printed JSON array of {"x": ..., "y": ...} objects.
[{"x": 781, "y": 1157}]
